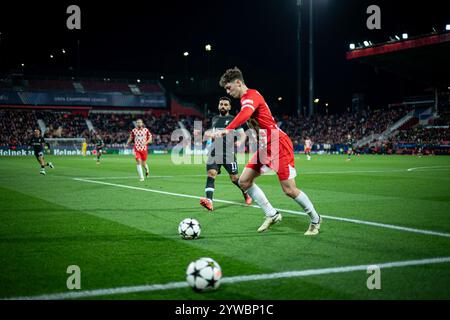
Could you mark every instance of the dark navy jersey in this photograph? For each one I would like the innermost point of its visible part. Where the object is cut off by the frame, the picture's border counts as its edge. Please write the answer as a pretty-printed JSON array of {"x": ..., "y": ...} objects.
[
  {"x": 350, "y": 142},
  {"x": 38, "y": 144},
  {"x": 220, "y": 122},
  {"x": 98, "y": 143}
]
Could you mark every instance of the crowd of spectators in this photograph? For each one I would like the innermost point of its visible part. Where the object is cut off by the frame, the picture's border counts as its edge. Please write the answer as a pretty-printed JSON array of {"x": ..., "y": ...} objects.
[
  {"x": 17, "y": 125},
  {"x": 63, "y": 124},
  {"x": 115, "y": 128},
  {"x": 333, "y": 129},
  {"x": 423, "y": 135}
]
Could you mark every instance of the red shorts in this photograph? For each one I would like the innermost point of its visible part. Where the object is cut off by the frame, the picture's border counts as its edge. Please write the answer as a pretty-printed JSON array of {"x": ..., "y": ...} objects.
[
  {"x": 142, "y": 155},
  {"x": 278, "y": 158},
  {"x": 307, "y": 150}
]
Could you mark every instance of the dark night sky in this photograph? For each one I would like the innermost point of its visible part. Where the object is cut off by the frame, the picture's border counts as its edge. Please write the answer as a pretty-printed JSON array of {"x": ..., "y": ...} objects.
[{"x": 257, "y": 36}]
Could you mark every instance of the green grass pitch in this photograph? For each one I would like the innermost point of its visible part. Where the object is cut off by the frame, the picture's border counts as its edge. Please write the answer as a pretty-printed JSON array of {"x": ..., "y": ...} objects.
[{"x": 125, "y": 237}]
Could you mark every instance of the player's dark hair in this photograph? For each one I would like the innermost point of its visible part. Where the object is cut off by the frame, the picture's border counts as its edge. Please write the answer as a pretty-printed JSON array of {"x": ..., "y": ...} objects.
[
  {"x": 231, "y": 75},
  {"x": 226, "y": 99}
]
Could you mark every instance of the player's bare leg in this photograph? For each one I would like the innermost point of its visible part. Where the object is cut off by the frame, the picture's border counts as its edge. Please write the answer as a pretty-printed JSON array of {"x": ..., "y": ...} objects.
[
  {"x": 234, "y": 179},
  {"x": 246, "y": 182},
  {"x": 139, "y": 169},
  {"x": 43, "y": 164},
  {"x": 147, "y": 171},
  {"x": 349, "y": 153},
  {"x": 290, "y": 189},
  {"x": 99, "y": 154},
  {"x": 209, "y": 190}
]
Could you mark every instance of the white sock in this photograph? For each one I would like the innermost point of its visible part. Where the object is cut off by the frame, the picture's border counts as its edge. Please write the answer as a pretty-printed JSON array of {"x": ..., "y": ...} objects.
[
  {"x": 258, "y": 195},
  {"x": 139, "y": 169},
  {"x": 307, "y": 205},
  {"x": 146, "y": 167}
]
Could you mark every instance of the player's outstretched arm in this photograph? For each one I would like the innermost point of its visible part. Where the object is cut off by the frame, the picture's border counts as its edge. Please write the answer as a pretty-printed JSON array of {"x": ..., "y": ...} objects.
[
  {"x": 238, "y": 121},
  {"x": 241, "y": 118}
]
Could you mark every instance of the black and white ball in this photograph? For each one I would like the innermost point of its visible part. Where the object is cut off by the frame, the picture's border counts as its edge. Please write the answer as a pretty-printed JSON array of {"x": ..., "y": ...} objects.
[
  {"x": 189, "y": 229},
  {"x": 204, "y": 274}
]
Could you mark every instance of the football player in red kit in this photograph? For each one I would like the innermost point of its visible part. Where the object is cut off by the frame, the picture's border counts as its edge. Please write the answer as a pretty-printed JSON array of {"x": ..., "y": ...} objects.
[
  {"x": 275, "y": 152},
  {"x": 141, "y": 137},
  {"x": 308, "y": 147}
]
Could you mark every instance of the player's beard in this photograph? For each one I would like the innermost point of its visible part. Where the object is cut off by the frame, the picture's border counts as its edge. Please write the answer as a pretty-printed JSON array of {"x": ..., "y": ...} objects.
[{"x": 223, "y": 112}]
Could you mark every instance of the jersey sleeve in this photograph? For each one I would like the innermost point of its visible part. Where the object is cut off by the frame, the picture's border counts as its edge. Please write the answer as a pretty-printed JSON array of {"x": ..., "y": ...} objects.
[
  {"x": 212, "y": 124},
  {"x": 249, "y": 102},
  {"x": 248, "y": 107},
  {"x": 241, "y": 118}
]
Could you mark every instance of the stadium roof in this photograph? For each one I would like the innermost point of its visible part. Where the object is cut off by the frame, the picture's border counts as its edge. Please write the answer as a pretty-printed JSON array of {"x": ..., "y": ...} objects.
[{"x": 424, "y": 59}]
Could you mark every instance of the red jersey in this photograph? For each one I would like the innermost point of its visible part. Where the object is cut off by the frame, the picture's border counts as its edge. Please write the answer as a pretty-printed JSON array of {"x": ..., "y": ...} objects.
[
  {"x": 140, "y": 136},
  {"x": 279, "y": 153},
  {"x": 308, "y": 143},
  {"x": 256, "y": 112}
]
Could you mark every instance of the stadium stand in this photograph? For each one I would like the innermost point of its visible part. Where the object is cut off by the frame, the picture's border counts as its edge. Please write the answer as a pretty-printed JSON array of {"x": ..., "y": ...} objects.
[
  {"x": 149, "y": 87},
  {"x": 36, "y": 83},
  {"x": 16, "y": 126},
  {"x": 333, "y": 129},
  {"x": 63, "y": 124},
  {"x": 49, "y": 85},
  {"x": 105, "y": 86},
  {"x": 115, "y": 127},
  {"x": 418, "y": 125},
  {"x": 423, "y": 135}
]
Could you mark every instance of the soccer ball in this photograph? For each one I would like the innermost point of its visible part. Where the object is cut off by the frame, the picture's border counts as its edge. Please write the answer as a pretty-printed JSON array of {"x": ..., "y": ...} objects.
[
  {"x": 204, "y": 274},
  {"x": 189, "y": 229}
]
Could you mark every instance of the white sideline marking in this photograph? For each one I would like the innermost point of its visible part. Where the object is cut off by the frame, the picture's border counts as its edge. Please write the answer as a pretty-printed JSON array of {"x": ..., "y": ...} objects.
[
  {"x": 432, "y": 168},
  {"x": 429, "y": 168},
  {"x": 122, "y": 177},
  {"x": 231, "y": 280},
  {"x": 352, "y": 171},
  {"x": 375, "y": 224},
  {"x": 137, "y": 178}
]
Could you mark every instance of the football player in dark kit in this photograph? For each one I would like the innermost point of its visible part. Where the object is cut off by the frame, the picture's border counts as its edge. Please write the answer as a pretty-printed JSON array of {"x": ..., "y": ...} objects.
[
  {"x": 350, "y": 148},
  {"x": 38, "y": 142},
  {"x": 99, "y": 145},
  {"x": 228, "y": 157}
]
